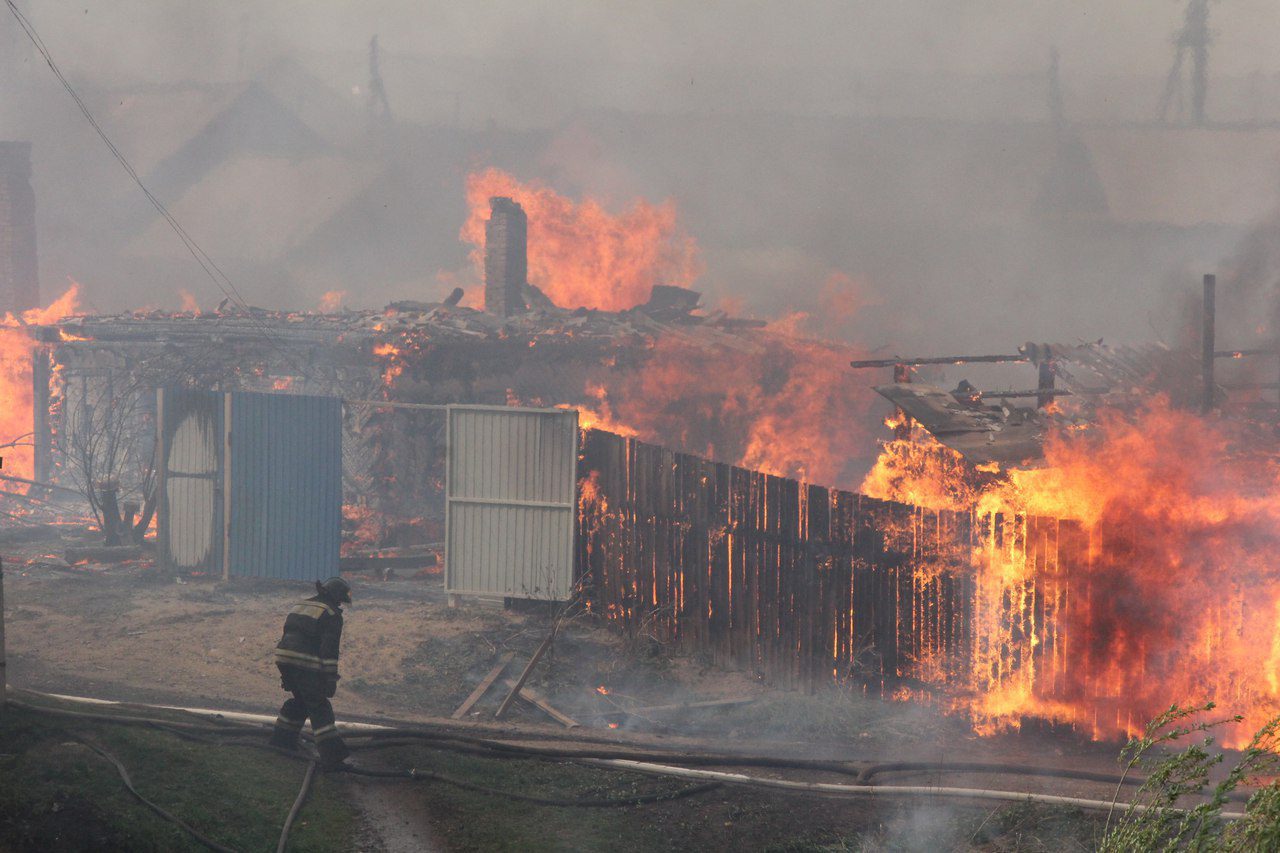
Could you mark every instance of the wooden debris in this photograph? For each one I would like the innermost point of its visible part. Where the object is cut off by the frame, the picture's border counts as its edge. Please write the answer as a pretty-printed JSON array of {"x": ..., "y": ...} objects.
[
  {"x": 537, "y": 699},
  {"x": 483, "y": 687},
  {"x": 524, "y": 676},
  {"x": 689, "y": 706}
]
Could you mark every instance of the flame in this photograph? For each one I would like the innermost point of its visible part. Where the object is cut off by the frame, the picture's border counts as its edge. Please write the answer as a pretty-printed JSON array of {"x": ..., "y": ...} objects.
[
  {"x": 189, "y": 303},
  {"x": 785, "y": 407},
  {"x": 394, "y": 359},
  {"x": 1176, "y": 598},
  {"x": 599, "y": 414},
  {"x": 16, "y": 393},
  {"x": 581, "y": 255},
  {"x": 602, "y": 690},
  {"x": 331, "y": 302}
]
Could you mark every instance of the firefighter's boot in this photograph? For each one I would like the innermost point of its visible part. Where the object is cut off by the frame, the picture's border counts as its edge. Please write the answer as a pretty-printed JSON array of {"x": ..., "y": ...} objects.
[{"x": 333, "y": 751}]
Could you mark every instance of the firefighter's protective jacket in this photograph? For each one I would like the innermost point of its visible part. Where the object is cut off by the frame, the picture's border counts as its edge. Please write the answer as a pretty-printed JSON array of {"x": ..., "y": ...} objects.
[{"x": 312, "y": 633}]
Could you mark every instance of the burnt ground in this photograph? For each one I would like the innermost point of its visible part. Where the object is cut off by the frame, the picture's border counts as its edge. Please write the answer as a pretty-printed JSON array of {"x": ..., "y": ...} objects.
[{"x": 128, "y": 632}]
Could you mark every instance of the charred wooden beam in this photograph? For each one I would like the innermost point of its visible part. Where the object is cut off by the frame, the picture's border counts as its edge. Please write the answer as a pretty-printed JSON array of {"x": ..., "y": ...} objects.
[
  {"x": 1208, "y": 352},
  {"x": 1047, "y": 374}
]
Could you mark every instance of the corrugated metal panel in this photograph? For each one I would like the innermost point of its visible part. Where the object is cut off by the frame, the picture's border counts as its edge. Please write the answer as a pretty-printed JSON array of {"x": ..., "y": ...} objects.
[
  {"x": 286, "y": 485},
  {"x": 510, "y": 508},
  {"x": 190, "y": 512}
]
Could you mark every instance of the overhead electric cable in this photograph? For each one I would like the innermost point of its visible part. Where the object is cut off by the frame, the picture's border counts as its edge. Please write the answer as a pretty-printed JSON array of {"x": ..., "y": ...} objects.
[{"x": 210, "y": 267}]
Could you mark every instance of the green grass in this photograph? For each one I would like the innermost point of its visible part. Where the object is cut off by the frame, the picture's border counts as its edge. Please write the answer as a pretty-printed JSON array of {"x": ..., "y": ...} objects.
[
  {"x": 726, "y": 818},
  {"x": 57, "y": 794}
]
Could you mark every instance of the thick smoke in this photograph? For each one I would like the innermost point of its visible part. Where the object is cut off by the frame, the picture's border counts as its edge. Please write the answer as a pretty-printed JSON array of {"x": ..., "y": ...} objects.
[{"x": 909, "y": 147}]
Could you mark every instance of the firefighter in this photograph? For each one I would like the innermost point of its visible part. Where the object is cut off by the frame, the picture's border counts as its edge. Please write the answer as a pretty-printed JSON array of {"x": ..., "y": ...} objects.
[{"x": 307, "y": 656}]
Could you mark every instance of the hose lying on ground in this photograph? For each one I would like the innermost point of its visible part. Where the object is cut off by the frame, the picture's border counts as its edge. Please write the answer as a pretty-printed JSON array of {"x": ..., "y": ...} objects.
[
  {"x": 297, "y": 807},
  {"x": 471, "y": 744},
  {"x": 630, "y": 760},
  {"x": 588, "y": 802},
  {"x": 128, "y": 783},
  {"x": 830, "y": 789}
]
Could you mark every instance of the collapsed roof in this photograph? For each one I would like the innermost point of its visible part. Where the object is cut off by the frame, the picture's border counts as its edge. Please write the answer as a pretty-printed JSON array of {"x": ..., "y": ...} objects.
[{"x": 1086, "y": 377}]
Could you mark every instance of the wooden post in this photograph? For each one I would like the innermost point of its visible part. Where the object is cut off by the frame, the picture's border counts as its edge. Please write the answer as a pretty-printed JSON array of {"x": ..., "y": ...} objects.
[
  {"x": 1046, "y": 383},
  {"x": 1207, "y": 342},
  {"x": 42, "y": 432},
  {"x": 902, "y": 376},
  {"x": 4, "y": 680},
  {"x": 226, "y": 486}
]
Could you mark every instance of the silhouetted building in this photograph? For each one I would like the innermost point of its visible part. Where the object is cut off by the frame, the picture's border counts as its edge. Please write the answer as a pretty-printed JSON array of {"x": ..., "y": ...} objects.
[{"x": 19, "y": 284}]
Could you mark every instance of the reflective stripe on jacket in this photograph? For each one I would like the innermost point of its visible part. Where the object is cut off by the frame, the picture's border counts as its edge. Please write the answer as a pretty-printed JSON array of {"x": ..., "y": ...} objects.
[{"x": 312, "y": 633}]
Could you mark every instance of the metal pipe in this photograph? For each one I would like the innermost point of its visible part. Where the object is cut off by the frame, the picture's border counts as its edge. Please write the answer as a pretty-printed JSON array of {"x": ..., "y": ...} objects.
[
  {"x": 1241, "y": 353},
  {"x": 1207, "y": 353},
  {"x": 950, "y": 359},
  {"x": 1039, "y": 392}
]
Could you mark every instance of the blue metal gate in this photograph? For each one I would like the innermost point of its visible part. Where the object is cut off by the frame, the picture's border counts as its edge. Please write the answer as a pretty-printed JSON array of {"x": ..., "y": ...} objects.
[
  {"x": 250, "y": 484},
  {"x": 286, "y": 485}
]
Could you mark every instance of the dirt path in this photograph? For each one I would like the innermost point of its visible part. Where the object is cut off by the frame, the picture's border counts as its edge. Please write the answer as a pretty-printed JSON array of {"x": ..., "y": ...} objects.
[{"x": 396, "y": 821}]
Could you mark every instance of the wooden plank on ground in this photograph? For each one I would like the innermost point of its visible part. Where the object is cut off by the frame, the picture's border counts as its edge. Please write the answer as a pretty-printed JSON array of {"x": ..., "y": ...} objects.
[
  {"x": 536, "y": 698},
  {"x": 689, "y": 706},
  {"x": 483, "y": 687},
  {"x": 524, "y": 676}
]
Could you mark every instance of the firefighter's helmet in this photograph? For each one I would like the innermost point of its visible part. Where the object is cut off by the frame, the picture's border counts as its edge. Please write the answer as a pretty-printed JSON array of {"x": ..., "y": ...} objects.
[{"x": 335, "y": 589}]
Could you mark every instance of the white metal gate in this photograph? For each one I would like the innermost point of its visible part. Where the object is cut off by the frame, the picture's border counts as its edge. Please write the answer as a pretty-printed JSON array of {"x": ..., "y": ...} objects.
[{"x": 510, "y": 507}]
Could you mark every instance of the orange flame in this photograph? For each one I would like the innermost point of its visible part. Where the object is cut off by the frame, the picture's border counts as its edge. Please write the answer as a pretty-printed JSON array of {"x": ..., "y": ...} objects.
[
  {"x": 1177, "y": 598},
  {"x": 782, "y": 406},
  {"x": 16, "y": 393},
  {"x": 331, "y": 302},
  {"x": 581, "y": 255}
]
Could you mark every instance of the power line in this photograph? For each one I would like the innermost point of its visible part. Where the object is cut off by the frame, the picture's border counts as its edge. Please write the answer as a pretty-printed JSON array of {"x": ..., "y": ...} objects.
[{"x": 211, "y": 269}]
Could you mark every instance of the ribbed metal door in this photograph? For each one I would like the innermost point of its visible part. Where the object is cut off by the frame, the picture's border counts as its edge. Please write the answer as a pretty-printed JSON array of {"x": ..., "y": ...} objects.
[
  {"x": 510, "y": 508},
  {"x": 286, "y": 485},
  {"x": 189, "y": 519}
]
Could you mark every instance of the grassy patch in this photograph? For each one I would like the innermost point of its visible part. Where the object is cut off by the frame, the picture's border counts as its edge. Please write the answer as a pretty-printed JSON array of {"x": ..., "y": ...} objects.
[
  {"x": 56, "y": 794},
  {"x": 724, "y": 819}
]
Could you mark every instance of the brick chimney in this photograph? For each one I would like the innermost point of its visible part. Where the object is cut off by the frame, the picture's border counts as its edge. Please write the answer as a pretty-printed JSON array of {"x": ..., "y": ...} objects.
[
  {"x": 506, "y": 261},
  {"x": 19, "y": 285}
]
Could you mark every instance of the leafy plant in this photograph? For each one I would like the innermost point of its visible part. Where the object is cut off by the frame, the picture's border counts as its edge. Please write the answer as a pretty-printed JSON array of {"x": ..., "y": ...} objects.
[{"x": 1161, "y": 816}]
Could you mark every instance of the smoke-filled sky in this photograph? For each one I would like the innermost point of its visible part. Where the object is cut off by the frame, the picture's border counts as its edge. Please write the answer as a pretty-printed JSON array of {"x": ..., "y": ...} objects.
[
  {"x": 905, "y": 146},
  {"x": 132, "y": 39}
]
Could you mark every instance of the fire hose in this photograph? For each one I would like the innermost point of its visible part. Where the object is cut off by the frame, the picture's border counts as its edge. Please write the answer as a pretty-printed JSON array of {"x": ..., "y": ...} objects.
[{"x": 620, "y": 759}]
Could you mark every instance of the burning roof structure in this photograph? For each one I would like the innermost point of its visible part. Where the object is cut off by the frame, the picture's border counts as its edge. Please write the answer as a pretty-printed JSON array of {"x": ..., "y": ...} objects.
[
  {"x": 1076, "y": 380},
  {"x": 396, "y": 367}
]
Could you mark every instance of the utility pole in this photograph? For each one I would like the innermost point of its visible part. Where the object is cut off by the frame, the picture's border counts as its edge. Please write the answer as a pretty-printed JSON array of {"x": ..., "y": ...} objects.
[
  {"x": 379, "y": 106},
  {"x": 1193, "y": 39},
  {"x": 1056, "y": 110}
]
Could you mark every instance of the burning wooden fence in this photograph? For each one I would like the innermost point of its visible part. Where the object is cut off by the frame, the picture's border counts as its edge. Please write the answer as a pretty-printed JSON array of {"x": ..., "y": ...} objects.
[{"x": 803, "y": 584}]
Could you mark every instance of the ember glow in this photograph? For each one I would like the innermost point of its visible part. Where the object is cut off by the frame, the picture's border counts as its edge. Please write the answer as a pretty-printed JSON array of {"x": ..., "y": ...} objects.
[
  {"x": 1178, "y": 597},
  {"x": 16, "y": 349},
  {"x": 580, "y": 254}
]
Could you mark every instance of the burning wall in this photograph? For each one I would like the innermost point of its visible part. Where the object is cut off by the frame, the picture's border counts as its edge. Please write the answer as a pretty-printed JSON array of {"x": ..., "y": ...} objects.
[{"x": 1178, "y": 600}]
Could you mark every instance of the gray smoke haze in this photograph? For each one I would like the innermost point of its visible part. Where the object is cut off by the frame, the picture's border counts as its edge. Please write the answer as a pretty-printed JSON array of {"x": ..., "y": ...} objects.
[{"x": 908, "y": 147}]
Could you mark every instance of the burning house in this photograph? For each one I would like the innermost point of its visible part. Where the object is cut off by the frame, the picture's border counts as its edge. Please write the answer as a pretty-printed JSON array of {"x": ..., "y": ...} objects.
[{"x": 706, "y": 381}]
